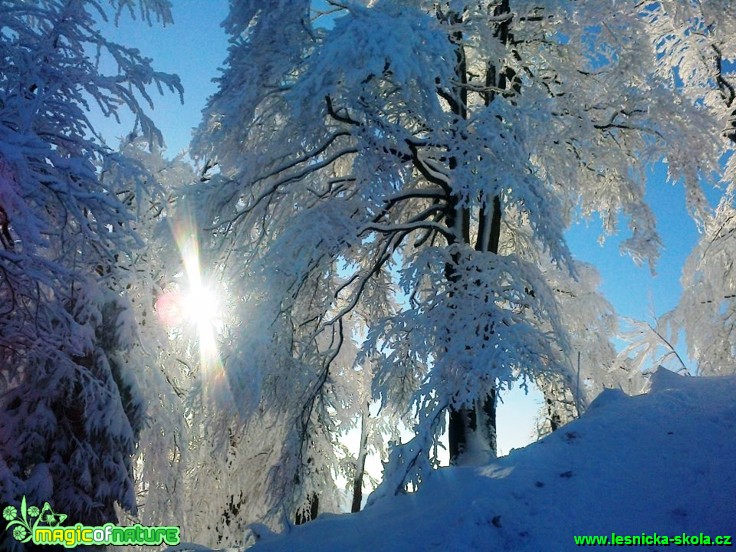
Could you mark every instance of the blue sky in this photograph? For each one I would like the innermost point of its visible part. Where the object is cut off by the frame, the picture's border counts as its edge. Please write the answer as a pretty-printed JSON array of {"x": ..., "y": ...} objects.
[{"x": 195, "y": 46}]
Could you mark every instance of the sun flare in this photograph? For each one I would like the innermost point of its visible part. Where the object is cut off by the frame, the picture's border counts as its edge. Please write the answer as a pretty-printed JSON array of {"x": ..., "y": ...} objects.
[
  {"x": 196, "y": 303},
  {"x": 201, "y": 306}
]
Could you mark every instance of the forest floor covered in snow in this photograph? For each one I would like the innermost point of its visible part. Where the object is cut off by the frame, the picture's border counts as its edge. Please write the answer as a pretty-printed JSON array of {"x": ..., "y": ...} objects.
[{"x": 662, "y": 463}]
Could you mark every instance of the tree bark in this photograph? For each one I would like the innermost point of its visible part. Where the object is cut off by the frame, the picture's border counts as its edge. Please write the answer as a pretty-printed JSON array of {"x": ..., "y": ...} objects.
[
  {"x": 464, "y": 420},
  {"x": 360, "y": 464},
  {"x": 479, "y": 417},
  {"x": 310, "y": 513}
]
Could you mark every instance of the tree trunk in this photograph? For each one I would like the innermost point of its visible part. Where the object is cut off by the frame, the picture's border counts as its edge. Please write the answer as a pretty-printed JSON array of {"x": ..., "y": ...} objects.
[
  {"x": 488, "y": 422},
  {"x": 555, "y": 420},
  {"x": 480, "y": 417},
  {"x": 461, "y": 423},
  {"x": 464, "y": 421},
  {"x": 360, "y": 464},
  {"x": 309, "y": 513}
]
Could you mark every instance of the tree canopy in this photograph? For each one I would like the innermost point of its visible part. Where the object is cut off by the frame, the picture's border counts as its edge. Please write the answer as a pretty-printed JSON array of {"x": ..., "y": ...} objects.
[
  {"x": 414, "y": 165},
  {"x": 382, "y": 189}
]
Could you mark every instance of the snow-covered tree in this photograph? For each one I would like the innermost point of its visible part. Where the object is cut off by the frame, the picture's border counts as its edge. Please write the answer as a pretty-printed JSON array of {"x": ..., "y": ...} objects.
[
  {"x": 70, "y": 403},
  {"x": 696, "y": 48},
  {"x": 590, "y": 321},
  {"x": 652, "y": 344},
  {"x": 168, "y": 371},
  {"x": 393, "y": 146},
  {"x": 707, "y": 308}
]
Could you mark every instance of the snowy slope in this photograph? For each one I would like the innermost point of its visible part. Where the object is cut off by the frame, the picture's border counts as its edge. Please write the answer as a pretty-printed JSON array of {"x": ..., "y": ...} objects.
[{"x": 664, "y": 462}]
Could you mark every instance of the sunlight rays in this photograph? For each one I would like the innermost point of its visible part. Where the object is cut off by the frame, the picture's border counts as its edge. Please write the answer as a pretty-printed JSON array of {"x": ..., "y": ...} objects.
[{"x": 197, "y": 305}]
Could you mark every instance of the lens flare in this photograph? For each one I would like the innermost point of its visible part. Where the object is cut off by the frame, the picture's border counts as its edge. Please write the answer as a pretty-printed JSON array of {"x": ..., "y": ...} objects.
[{"x": 197, "y": 305}]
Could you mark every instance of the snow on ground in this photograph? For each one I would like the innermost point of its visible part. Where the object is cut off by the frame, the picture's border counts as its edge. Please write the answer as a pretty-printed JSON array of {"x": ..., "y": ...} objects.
[{"x": 663, "y": 463}]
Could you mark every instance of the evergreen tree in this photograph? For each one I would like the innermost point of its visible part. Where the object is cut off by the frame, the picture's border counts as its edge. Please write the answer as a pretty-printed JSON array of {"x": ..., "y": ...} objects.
[{"x": 70, "y": 403}]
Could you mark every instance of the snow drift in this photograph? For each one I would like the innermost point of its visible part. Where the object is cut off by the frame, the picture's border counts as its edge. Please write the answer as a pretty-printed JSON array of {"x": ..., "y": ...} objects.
[{"x": 657, "y": 463}]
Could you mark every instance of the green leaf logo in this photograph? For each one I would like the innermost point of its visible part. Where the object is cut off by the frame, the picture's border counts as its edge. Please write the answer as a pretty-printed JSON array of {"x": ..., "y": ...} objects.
[{"x": 24, "y": 521}]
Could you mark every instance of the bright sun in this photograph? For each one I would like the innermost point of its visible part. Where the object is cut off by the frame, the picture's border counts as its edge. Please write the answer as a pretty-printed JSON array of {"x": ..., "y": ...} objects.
[
  {"x": 192, "y": 300},
  {"x": 196, "y": 304},
  {"x": 201, "y": 306}
]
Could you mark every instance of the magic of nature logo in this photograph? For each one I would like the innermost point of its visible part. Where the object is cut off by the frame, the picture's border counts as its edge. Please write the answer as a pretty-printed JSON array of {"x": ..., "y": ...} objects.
[{"x": 31, "y": 524}]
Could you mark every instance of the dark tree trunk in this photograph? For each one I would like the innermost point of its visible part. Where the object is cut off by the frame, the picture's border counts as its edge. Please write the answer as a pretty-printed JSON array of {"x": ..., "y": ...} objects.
[
  {"x": 464, "y": 420},
  {"x": 303, "y": 516},
  {"x": 479, "y": 417},
  {"x": 360, "y": 464},
  {"x": 488, "y": 422},
  {"x": 555, "y": 420}
]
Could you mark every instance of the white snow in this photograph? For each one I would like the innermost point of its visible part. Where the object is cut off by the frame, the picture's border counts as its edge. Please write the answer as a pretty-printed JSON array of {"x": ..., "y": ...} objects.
[{"x": 659, "y": 463}]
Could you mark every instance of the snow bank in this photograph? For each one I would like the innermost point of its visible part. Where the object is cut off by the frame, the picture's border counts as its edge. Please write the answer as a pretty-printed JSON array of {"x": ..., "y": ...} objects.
[{"x": 656, "y": 463}]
